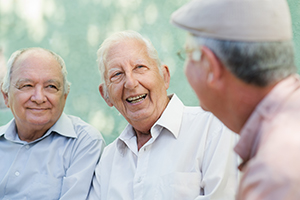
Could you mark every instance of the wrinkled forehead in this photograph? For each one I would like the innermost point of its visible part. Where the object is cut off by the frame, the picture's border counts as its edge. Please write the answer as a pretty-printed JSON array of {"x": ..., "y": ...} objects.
[
  {"x": 127, "y": 50},
  {"x": 124, "y": 47},
  {"x": 34, "y": 53},
  {"x": 35, "y": 59}
]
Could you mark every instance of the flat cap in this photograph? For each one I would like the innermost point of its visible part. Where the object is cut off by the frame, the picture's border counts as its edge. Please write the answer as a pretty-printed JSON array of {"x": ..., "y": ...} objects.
[{"x": 238, "y": 20}]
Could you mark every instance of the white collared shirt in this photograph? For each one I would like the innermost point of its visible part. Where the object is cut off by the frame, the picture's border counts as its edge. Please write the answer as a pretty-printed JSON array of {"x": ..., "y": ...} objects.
[
  {"x": 59, "y": 165},
  {"x": 190, "y": 156}
]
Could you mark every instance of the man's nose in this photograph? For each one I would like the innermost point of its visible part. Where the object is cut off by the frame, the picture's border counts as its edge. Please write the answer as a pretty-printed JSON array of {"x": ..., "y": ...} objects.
[
  {"x": 38, "y": 95},
  {"x": 131, "y": 81}
]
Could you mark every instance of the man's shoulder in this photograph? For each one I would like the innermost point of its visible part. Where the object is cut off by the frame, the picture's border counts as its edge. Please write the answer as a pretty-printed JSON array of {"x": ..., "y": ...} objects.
[
  {"x": 196, "y": 110},
  {"x": 83, "y": 128},
  {"x": 111, "y": 149},
  {"x": 196, "y": 113}
]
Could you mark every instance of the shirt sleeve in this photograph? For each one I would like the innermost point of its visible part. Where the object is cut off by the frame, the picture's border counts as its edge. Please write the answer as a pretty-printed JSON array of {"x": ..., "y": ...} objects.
[
  {"x": 219, "y": 166},
  {"x": 77, "y": 182}
]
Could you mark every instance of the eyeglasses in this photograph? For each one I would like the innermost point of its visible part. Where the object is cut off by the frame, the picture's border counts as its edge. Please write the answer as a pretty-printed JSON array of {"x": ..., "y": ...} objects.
[{"x": 196, "y": 54}]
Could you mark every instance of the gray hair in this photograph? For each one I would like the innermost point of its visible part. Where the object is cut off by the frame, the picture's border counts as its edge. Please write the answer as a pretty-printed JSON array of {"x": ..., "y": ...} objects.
[
  {"x": 257, "y": 63},
  {"x": 117, "y": 38},
  {"x": 14, "y": 57}
]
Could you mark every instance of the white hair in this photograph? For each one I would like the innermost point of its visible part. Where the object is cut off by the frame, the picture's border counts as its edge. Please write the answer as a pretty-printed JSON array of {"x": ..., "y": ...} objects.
[
  {"x": 14, "y": 57},
  {"x": 257, "y": 63},
  {"x": 117, "y": 38}
]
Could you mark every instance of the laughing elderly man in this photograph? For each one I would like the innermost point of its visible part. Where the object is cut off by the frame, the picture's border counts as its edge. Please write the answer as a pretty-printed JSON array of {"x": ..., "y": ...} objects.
[
  {"x": 241, "y": 66},
  {"x": 167, "y": 151},
  {"x": 45, "y": 154}
]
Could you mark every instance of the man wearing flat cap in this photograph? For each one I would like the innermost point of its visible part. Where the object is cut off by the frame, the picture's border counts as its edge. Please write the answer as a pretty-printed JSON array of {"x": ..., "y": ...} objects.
[{"x": 241, "y": 66}]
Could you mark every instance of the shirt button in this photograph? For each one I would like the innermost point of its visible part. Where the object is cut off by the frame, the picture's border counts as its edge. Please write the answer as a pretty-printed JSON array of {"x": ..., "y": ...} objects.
[
  {"x": 27, "y": 146},
  {"x": 17, "y": 173}
]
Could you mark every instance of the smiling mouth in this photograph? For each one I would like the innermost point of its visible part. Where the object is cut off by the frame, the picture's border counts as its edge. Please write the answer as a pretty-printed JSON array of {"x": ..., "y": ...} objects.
[
  {"x": 136, "y": 99},
  {"x": 38, "y": 109}
]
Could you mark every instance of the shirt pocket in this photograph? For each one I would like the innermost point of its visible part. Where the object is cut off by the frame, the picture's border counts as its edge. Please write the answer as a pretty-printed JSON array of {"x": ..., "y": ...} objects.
[
  {"x": 179, "y": 186},
  {"x": 45, "y": 187}
]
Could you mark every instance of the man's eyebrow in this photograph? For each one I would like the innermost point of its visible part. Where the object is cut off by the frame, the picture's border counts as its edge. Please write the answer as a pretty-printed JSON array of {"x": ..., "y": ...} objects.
[
  {"x": 54, "y": 81},
  {"x": 112, "y": 70},
  {"x": 23, "y": 80},
  {"x": 26, "y": 80}
]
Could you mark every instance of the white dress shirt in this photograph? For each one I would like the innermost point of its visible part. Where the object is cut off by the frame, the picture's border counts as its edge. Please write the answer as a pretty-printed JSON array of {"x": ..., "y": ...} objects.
[
  {"x": 59, "y": 165},
  {"x": 190, "y": 156}
]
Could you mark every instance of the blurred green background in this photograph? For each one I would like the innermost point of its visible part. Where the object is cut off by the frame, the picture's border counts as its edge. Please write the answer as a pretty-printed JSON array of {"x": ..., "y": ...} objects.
[{"x": 75, "y": 28}]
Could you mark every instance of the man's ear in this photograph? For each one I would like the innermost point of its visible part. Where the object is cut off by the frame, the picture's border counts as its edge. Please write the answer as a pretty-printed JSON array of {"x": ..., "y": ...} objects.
[
  {"x": 213, "y": 66},
  {"x": 5, "y": 97},
  {"x": 166, "y": 75},
  {"x": 104, "y": 94}
]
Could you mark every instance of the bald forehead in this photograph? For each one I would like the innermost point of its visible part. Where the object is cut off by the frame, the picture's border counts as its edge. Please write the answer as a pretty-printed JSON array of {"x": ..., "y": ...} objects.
[
  {"x": 123, "y": 45},
  {"x": 122, "y": 48},
  {"x": 35, "y": 52},
  {"x": 36, "y": 58}
]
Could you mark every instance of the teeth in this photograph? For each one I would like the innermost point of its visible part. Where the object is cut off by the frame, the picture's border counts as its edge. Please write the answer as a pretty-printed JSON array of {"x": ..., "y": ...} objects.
[{"x": 136, "y": 99}]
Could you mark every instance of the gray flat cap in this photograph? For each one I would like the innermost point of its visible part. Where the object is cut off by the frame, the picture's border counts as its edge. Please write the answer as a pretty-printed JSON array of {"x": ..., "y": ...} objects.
[{"x": 239, "y": 20}]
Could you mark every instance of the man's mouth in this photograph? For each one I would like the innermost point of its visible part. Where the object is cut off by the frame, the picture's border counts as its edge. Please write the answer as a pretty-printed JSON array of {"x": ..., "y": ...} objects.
[
  {"x": 38, "y": 109},
  {"x": 136, "y": 99}
]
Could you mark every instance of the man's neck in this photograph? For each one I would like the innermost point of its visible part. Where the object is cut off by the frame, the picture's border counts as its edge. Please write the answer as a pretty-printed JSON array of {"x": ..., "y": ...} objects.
[
  {"x": 30, "y": 135},
  {"x": 243, "y": 102},
  {"x": 142, "y": 138}
]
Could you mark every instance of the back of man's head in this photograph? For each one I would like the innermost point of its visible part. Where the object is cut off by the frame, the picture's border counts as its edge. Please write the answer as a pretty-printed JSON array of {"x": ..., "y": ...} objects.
[{"x": 252, "y": 38}]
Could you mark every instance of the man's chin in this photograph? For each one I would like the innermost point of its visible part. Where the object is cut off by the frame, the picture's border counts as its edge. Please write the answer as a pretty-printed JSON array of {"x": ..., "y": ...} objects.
[
  {"x": 39, "y": 121},
  {"x": 203, "y": 107}
]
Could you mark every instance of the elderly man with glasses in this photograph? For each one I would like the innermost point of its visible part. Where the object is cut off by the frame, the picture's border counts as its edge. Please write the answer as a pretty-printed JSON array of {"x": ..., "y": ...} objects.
[{"x": 241, "y": 66}]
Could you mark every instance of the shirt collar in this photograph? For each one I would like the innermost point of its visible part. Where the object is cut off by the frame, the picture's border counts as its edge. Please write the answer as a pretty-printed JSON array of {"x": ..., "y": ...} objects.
[
  {"x": 127, "y": 139},
  {"x": 9, "y": 127},
  {"x": 170, "y": 120},
  {"x": 172, "y": 116},
  {"x": 266, "y": 109},
  {"x": 63, "y": 126}
]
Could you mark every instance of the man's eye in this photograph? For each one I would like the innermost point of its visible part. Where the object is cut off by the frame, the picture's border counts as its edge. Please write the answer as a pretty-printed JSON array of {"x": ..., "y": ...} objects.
[
  {"x": 141, "y": 68},
  {"x": 51, "y": 87},
  {"x": 117, "y": 74},
  {"x": 26, "y": 86}
]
